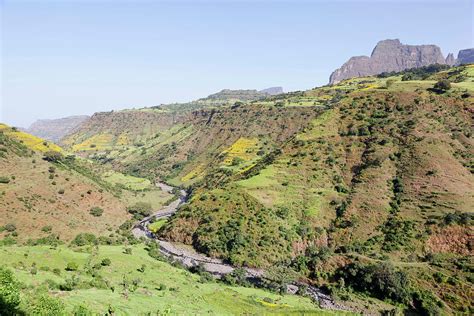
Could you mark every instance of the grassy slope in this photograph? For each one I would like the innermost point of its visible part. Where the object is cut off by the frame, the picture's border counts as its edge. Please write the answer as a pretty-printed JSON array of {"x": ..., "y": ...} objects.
[
  {"x": 184, "y": 294},
  {"x": 352, "y": 154},
  {"x": 35, "y": 197}
]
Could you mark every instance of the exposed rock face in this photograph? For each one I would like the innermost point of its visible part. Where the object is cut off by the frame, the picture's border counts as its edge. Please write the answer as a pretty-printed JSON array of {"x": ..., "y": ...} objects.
[
  {"x": 465, "y": 56},
  {"x": 55, "y": 129},
  {"x": 389, "y": 55},
  {"x": 272, "y": 90},
  {"x": 450, "y": 60}
]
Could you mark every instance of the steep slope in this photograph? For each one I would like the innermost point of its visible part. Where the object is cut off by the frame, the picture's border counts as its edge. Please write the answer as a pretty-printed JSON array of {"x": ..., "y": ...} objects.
[
  {"x": 388, "y": 56},
  {"x": 41, "y": 198},
  {"x": 55, "y": 129},
  {"x": 383, "y": 173}
]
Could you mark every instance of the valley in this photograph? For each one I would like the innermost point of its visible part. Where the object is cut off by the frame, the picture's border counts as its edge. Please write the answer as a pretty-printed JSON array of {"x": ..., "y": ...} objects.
[{"x": 355, "y": 197}]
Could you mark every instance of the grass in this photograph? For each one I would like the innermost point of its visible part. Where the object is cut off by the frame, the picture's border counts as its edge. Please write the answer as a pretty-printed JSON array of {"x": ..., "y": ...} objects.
[
  {"x": 96, "y": 142},
  {"x": 155, "y": 226},
  {"x": 184, "y": 294},
  {"x": 129, "y": 182}
]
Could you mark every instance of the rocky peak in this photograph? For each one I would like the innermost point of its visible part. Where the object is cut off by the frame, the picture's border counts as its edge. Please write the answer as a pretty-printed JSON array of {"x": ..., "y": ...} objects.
[
  {"x": 450, "y": 60},
  {"x": 465, "y": 56},
  {"x": 389, "y": 55}
]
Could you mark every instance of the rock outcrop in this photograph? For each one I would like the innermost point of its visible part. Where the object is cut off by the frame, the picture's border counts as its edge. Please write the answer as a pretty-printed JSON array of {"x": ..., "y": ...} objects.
[
  {"x": 450, "y": 60},
  {"x": 389, "y": 55},
  {"x": 55, "y": 129},
  {"x": 465, "y": 56}
]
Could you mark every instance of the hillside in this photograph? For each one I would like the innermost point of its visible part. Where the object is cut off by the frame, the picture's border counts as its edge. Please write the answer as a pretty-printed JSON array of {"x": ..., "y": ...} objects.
[
  {"x": 55, "y": 129},
  {"x": 371, "y": 170},
  {"x": 51, "y": 196}
]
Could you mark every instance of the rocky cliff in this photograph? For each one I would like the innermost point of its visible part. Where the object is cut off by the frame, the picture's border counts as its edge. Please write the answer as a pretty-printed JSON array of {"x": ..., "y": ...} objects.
[
  {"x": 55, "y": 129},
  {"x": 465, "y": 56},
  {"x": 389, "y": 55}
]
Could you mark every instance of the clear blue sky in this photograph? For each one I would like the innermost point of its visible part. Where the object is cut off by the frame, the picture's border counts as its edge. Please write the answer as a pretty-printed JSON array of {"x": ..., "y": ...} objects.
[{"x": 62, "y": 58}]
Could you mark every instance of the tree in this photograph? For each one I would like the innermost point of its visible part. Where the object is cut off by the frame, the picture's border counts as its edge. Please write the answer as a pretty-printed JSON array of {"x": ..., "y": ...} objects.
[
  {"x": 9, "y": 293},
  {"x": 442, "y": 85}
]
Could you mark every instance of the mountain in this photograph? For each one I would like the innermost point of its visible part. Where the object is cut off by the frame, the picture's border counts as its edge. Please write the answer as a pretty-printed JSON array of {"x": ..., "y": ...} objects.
[
  {"x": 55, "y": 129},
  {"x": 465, "y": 56},
  {"x": 450, "y": 60},
  {"x": 388, "y": 56},
  {"x": 272, "y": 90}
]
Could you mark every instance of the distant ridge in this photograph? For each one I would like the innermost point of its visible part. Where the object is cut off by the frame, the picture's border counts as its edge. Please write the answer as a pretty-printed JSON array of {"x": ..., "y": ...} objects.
[
  {"x": 389, "y": 55},
  {"x": 55, "y": 129}
]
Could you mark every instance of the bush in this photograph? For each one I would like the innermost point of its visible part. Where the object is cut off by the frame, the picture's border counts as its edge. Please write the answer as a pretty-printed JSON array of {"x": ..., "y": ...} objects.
[
  {"x": 61, "y": 191},
  {"x": 72, "y": 266},
  {"x": 96, "y": 211},
  {"x": 9, "y": 292},
  {"x": 53, "y": 156},
  {"x": 4, "y": 180},
  {"x": 105, "y": 262},
  {"x": 83, "y": 239},
  {"x": 381, "y": 280},
  {"x": 442, "y": 85},
  {"x": 47, "y": 228},
  {"x": 140, "y": 210},
  {"x": 10, "y": 227},
  {"x": 41, "y": 303}
]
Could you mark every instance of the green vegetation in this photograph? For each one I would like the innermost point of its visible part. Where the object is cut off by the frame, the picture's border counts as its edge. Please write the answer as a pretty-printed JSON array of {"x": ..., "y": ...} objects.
[{"x": 121, "y": 286}]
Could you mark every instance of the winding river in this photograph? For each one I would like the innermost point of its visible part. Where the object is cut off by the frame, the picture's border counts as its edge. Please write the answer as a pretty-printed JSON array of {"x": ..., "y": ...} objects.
[{"x": 190, "y": 258}]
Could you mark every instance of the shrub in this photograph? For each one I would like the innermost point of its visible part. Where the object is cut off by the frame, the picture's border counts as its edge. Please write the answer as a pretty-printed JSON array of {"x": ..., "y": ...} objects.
[
  {"x": 442, "y": 85},
  {"x": 10, "y": 227},
  {"x": 105, "y": 262},
  {"x": 83, "y": 239},
  {"x": 81, "y": 310},
  {"x": 41, "y": 303},
  {"x": 53, "y": 156},
  {"x": 72, "y": 266},
  {"x": 140, "y": 210},
  {"x": 96, "y": 211},
  {"x": 61, "y": 191},
  {"x": 9, "y": 292},
  {"x": 4, "y": 180},
  {"x": 47, "y": 228},
  {"x": 381, "y": 280}
]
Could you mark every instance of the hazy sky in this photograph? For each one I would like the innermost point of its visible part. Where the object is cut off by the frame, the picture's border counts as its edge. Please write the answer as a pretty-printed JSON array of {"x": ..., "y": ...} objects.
[{"x": 62, "y": 58}]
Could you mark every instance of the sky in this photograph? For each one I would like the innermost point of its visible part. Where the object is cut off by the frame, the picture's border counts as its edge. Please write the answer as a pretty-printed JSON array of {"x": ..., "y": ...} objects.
[{"x": 61, "y": 58}]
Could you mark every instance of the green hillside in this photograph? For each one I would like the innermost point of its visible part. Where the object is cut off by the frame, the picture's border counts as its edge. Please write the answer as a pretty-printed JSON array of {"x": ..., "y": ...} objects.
[{"x": 364, "y": 188}]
